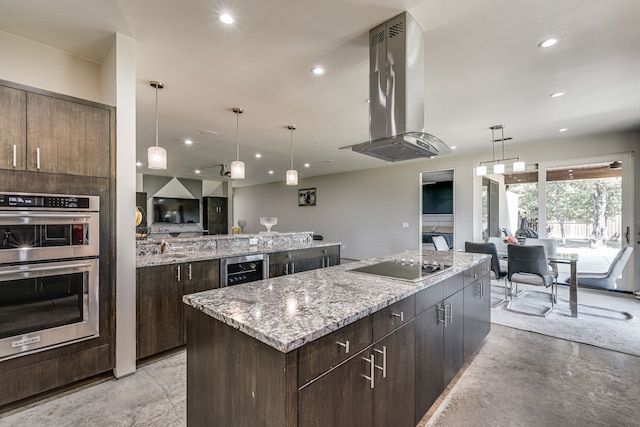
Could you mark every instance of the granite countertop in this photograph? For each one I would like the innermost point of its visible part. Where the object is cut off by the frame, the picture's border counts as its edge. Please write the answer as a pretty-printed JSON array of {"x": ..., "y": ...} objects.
[
  {"x": 186, "y": 255},
  {"x": 288, "y": 311}
]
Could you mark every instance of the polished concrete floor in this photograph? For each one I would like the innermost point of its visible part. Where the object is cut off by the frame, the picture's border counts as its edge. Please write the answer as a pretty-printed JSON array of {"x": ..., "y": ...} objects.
[{"x": 518, "y": 378}]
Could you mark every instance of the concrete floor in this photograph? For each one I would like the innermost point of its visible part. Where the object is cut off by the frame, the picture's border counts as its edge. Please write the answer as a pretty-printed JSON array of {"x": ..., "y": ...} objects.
[{"x": 518, "y": 378}]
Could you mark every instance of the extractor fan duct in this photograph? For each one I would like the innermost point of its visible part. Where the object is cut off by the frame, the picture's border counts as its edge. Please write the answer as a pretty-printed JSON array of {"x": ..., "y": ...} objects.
[{"x": 396, "y": 94}]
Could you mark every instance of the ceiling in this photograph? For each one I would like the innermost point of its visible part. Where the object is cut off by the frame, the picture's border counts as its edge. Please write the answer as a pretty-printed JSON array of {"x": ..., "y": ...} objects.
[{"x": 483, "y": 67}]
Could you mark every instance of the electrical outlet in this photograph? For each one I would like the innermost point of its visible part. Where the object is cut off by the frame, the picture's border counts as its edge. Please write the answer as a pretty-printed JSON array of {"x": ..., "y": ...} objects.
[
  {"x": 253, "y": 241},
  {"x": 405, "y": 225},
  {"x": 344, "y": 247}
]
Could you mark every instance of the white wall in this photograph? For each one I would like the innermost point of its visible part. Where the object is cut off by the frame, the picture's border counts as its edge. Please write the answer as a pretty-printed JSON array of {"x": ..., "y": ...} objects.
[
  {"x": 40, "y": 66},
  {"x": 365, "y": 209}
]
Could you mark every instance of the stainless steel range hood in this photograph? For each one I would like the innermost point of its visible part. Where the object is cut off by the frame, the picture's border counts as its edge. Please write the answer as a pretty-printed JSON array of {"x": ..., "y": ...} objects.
[{"x": 396, "y": 94}]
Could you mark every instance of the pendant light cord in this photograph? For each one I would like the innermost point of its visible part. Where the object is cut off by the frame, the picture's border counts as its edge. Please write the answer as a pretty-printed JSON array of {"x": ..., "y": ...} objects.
[
  {"x": 291, "y": 128},
  {"x": 157, "y": 84},
  {"x": 237, "y": 135}
]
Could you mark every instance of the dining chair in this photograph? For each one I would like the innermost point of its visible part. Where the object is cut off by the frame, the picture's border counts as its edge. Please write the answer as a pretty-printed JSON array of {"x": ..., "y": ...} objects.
[
  {"x": 606, "y": 280},
  {"x": 550, "y": 249},
  {"x": 528, "y": 264},
  {"x": 489, "y": 248},
  {"x": 501, "y": 246},
  {"x": 440, "y": 243}
]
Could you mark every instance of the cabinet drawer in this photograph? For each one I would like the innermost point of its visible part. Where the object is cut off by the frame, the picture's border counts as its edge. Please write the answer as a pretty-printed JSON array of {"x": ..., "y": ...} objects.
[
  {"x": 393, "y": 316},
  {"x": 452, "y": 285},
  {"x": 476, "y": 272},
  {"x": 287, "y": 256},
  {"x": 324, "y": 353},
  {"x": 324, "y": 251},
  {"x": 429, "y": 297}
]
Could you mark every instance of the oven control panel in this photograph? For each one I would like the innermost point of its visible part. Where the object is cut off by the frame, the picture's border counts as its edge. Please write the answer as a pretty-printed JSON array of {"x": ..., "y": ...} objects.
[{"x": 29, "y": 201}]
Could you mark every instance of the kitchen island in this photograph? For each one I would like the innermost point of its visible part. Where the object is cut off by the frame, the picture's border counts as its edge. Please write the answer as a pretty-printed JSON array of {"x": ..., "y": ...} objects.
[{"x": 333, "y": 347}]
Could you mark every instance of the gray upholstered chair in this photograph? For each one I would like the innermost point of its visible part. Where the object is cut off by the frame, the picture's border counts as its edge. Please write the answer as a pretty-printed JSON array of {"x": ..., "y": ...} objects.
[
  {"x": 501, "y": 246},
  {"x": 498, "y": 273},
  {"x": 550, "y": 249},
  {"x": 528, "y": 264},
  {"x": 606, "y": 280},
  {"x": 440, "y": 243}
]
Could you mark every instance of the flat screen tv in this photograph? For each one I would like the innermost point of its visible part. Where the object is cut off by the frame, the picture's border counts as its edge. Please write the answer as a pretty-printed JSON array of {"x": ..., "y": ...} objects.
[
  {"x": 176, "y": 211},
  {"x": 437, "y": 198}
]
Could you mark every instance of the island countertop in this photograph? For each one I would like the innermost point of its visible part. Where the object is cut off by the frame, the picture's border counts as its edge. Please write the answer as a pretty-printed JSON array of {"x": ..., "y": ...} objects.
[{"x": 288, "y": 311}]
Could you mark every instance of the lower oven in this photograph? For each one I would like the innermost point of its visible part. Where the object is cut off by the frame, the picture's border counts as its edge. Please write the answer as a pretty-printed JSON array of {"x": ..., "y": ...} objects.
[
  {"x": 44, "y": 305},
  {"x": 243, "y": 269}
]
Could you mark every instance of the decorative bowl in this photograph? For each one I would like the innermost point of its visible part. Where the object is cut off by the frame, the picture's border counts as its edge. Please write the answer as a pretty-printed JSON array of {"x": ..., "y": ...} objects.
[{"x": 268, "y": 221}]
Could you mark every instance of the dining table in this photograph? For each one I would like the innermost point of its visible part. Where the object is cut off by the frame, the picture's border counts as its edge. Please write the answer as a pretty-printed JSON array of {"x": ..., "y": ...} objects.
[{"x": 570, "y": 259}]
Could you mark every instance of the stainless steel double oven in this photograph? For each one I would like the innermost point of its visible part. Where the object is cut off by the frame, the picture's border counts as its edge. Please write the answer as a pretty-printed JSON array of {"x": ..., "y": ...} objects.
[{"x": 49, "y": 259}]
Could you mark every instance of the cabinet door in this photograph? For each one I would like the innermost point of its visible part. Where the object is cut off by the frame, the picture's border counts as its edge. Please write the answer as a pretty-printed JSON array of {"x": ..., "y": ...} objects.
[
  {"x": 67, "y": 137},
  {"x": 341, "y": 398},
  {"x": 477, "y": 314},
  {"x": 429, "y": 359},
  {"x": 323, "y": 257},
  {"x": 453, "y": 336},
  {"x": 13, "y": 124},
  {"x": 394, "y": 392},
  {"x": 159, "y": 310},
  {"x": 215, "y": 215},
  {"x": 287, "y": 262}
]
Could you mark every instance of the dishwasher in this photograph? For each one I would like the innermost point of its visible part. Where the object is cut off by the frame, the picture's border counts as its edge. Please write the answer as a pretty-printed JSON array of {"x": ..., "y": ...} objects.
[{"x": 243, "y": 269}]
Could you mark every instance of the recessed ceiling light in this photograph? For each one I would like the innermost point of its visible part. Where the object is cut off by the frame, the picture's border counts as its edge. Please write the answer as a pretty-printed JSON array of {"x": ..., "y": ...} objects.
[
  {"x": 258, "y": 155},
  {"x": 138, "y": 163},
  {"x": 306, "y": 165},
  {"x": 188, "y": 141},
  {"x": 226, "y": 18},
  {"x": 270, "y": 172},
  {"x": 453, "y": 147},
  {"x": 557, "y": 94},
  {"x": 548, "y": 43},
  {"x": 317, "y": 70},
  {"x": 563, "y": 130},
  {"x": 196, "y": 171}
]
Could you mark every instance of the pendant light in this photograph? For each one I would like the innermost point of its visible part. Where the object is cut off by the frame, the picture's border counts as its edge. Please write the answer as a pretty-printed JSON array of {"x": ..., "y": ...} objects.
[
  {"x": 292, "y": 174},
  {"x": 498, "y": 164},
  {"x": 156, "y": 156},
  {"x": 237, "y": 167}
]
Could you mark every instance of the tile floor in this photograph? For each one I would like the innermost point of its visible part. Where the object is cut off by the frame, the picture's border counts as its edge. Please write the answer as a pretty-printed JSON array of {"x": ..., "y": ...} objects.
[{"x": 518, "y": 378}]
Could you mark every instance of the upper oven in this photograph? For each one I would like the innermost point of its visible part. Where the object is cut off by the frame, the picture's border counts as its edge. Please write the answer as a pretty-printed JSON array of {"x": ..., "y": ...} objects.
[{"x": 37, "y": 227}]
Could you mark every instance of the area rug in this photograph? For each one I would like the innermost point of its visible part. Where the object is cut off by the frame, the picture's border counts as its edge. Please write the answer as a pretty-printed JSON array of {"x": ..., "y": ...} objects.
[{"x": 603, "y": 317}]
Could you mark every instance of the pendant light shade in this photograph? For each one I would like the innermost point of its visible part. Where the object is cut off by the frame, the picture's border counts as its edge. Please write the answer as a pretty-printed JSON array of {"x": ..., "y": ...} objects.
[
  {"x": 237, "y": 167},
  {"x": 156, "y": 156},
  {"x": 291, "y": 178},
  {"x": 499, "y": 166}
]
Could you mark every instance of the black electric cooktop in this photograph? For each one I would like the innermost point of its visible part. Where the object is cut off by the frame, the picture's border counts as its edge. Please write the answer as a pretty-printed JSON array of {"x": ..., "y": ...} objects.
[{"x": 403, "y": 271}]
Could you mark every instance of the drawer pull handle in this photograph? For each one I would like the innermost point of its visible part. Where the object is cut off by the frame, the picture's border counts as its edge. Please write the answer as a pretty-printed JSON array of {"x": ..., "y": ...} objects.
[
  {"x": 345, "y": 345},
  {"x": 38, "y": 158},
  {"x": 450, "y": 316},
  {"x": 372, "y": 371},
  {"x": 189, "y": 272},
  {"x": 383, "y": 368},
  {"x": 15, "y": 161},
  {"x": 444, "y": 317},
  {"x": 401, "y": 315},
  {"x": 178, "y": 271}
]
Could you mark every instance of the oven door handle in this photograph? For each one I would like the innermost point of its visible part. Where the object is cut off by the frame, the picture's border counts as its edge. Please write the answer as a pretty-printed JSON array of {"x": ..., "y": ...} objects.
[
  {"x": 29, "y": 269},
  {"x": 18, "y": 214}
]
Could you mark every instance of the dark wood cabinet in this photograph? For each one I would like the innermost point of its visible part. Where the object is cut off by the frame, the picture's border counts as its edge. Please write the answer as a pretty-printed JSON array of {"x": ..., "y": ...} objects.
[
  {"x": 394, "y": 391},
  {"x": 67, "y": 137},
  {"x": 13, "y": 125},
  {"x": 299, "y": 260},
  {"x": 323, "y": 257},
  {"x": 215, "y": 215},
  {"x": 160, "y": 319},
  {"x": 341, "y": 398},
  {"x": 453, "y": 335},
  {"x": 429, "y": 359},
  {"x": 288, "y": 262},
  {"x": 477, "y": 314}
]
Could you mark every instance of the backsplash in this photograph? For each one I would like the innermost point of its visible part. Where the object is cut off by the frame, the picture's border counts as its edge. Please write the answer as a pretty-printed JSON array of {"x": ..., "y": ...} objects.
[{"x": 222, "y": 242}]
